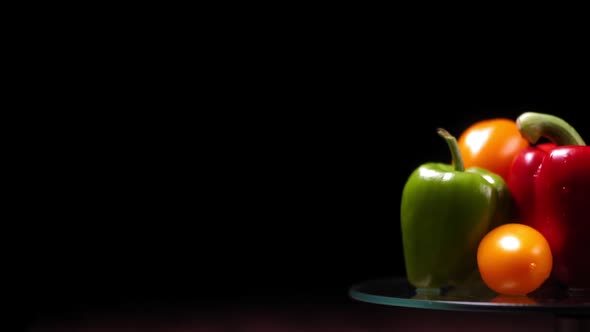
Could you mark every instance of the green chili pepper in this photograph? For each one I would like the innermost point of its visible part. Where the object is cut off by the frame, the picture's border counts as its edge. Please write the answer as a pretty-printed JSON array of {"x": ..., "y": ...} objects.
[{"x": 445, "y": 211}]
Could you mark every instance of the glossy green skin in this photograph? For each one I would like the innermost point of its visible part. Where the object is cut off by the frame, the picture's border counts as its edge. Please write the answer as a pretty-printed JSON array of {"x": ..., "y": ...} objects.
[
  {"x": 444, "y": 215},
  {"x": 505, "y": 207}
]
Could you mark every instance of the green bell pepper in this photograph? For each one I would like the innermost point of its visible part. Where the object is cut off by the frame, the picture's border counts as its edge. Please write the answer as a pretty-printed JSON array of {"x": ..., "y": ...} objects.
[{"x": 445, "y": 212}]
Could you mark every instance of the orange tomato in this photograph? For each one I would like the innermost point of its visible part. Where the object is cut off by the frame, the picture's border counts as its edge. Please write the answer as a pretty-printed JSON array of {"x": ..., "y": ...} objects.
[
  {"x": 514, "y": 259},
  {"x": 491, "y": 144}
]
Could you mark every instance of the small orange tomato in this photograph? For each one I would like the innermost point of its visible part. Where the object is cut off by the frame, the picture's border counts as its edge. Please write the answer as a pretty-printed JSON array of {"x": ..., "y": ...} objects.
[
  {"x": 491, "y": 144},
  {"x": 514, "y": 259}
]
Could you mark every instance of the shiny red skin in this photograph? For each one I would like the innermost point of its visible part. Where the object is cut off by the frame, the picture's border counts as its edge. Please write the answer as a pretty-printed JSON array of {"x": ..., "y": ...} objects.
[
  {"x": 562, "y": 205},
  {"x": 521, "y": 178}
]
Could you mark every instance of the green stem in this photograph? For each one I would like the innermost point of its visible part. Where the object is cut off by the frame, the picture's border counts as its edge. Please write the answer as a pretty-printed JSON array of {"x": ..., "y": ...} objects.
[
  {"x": 533, "y": 126},
  {"x": 454, "y": 147}
]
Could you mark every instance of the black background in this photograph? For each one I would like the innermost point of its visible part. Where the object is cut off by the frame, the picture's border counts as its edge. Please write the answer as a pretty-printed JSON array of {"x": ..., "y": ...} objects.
[{"x": 269, "y": 182}]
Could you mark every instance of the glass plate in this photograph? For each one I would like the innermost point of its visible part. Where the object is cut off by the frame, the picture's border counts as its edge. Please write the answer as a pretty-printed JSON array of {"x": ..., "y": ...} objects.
[{"x": 473, "y": 296}]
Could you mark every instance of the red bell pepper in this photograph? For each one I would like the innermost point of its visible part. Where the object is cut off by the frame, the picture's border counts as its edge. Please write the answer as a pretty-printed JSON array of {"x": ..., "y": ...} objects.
[
  {"x": 521, "y": 179},
  {"x": 550, "y": 183}
]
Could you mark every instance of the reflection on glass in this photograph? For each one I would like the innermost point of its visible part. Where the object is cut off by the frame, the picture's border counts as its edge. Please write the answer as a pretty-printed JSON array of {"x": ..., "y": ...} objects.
[{"x": 508, "y": 299}]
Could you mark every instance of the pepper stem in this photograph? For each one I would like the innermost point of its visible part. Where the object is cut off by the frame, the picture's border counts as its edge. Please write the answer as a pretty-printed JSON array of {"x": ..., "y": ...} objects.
[
  {"x": 533, "y": 126},
  {"x": 454, "y": 147}
]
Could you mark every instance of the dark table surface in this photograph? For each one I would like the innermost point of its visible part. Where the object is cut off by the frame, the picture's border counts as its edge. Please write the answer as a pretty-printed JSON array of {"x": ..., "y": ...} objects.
[{"x": 278, "y": 313}]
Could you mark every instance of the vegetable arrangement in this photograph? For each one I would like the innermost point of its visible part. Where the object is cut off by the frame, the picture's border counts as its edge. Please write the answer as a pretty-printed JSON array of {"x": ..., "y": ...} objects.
[{"x": 509, "y": 206}]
